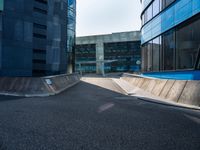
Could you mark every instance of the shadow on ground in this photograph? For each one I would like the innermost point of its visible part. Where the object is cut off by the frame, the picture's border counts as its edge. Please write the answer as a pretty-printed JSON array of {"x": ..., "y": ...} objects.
[{"x": 9, "y": 98}]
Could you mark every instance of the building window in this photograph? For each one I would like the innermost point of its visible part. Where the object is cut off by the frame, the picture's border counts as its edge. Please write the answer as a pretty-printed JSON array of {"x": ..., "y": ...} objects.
[
  {"x": 169, "y": 50},
  {"x": 42, "y": 11},
  {"x": 149, "y": 56},
  {"x": 38, "y": 61},
  {"x": 156, "y": 7},
  {"x": 144, "y": 58},
  {"x": 166, "y": 3},
  {"x": 39, "y": 26},
  {"x": 160, "y": 5},
  {"x": 149, "y": 13},
  {"x": 40, "y": 36},
  {"x": 187, "y": 45},
  {"x": 156, "y": 54},
  {"x": 42, "y": 1},
  {"x": 39, "y": 51},
  {"x": 198, "y": 66}
]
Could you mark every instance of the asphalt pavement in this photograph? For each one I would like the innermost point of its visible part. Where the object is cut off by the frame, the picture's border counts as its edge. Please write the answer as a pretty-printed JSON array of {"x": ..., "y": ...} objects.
[{"x": 95, "y": 116}]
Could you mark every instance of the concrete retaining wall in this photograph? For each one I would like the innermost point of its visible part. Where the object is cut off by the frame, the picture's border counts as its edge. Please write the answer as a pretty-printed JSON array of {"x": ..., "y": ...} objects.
[
  {"x": 30, "y": 87},
  {"x": 180, "y": 91}
]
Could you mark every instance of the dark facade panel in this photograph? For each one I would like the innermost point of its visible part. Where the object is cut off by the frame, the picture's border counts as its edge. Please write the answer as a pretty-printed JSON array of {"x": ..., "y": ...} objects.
[
  {"x": 126, "y": 54},
  {"x": 34, "y": 37},
  {"x": 86, "y": 53}
]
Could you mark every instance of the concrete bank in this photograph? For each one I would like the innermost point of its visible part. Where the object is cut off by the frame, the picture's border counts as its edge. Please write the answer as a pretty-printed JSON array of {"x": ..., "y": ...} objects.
[
  {"x": 41, "y": 86},
  {"x": 179, "y": 91}
]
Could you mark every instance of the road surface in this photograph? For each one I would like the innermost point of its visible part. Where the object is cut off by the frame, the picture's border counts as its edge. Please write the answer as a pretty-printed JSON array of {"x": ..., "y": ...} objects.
[{"x": 94, "y": 115}]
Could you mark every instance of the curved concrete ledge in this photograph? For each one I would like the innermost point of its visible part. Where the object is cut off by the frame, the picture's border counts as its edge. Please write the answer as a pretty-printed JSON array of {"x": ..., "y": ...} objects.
[
  {"x": 180, "y": 91},
  {"x": 31, "y": 87}
]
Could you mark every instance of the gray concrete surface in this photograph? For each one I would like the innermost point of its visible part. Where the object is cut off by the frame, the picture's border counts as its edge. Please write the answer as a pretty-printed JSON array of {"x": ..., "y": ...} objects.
[
  {"x": 167, "y": 88},
  {"x": 191, "y": 93},
  {"x": 179, "y": 91},
  {"x": 37, "y": 86},
  {"x": 176, "y": 90},
  {"x": 94, "y": 115}
]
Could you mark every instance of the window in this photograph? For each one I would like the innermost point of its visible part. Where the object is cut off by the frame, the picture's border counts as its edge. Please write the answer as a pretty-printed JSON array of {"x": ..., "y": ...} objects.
[
  {"x": 149, "y": 13},
  {"x": 166, "y": 3},
  {"x": 156, "y": 54},
  {"x": 39, "y": 51},
  {"x": 38, "y": 61},
  {"x": 40, "y": 10},
  {"x": 143, "y": 20},
  {"x": 169, "y": 50},
  {"x": 156, "y": 7},
  {"x": 161, "y": 3},
  {"x": 144, "y": 58},
  {"x": 198, "y": 67},
  {"x": 39, "y": 26},
  {"x": 42, "y": 1},
  {"x": 187, "y": 45},
  {"x": 149, "y": 55},
  {"x": 41, "y": 36}
]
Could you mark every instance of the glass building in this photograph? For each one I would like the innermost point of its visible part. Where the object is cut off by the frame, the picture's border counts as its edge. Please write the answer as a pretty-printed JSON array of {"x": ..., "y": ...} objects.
[
  {"x": 170, "y": 35},
  {"x": 123, "y": 49},
  {"x": 37, "y": 37},
  {"x": 71, "y": 35}
]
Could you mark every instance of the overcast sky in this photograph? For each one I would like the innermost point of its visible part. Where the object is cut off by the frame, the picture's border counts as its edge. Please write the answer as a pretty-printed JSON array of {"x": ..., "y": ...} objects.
[{"x": 107, "y": 16}]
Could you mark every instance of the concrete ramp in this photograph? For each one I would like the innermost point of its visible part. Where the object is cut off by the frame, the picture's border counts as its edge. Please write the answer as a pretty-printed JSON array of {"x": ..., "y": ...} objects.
[
  {"x": 30, "y": 87},
  {"x": 179, "y": 91}
]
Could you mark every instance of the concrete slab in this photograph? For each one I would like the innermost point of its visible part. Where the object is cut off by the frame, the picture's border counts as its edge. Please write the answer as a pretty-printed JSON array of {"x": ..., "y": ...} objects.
[
  {"x": 176, "y": 90},
  {"x": 145, "y": 84},
  {"x": 141, "y": 81},
  {"x": 151, "y": 86},
  {"x": 191, "y": 93},
  {"x": 167, "y": 88},
  {"x": 137, "y": 80},
  {"x": 133, "y": 80},
  {"x": 159, "y": 87},
  {"x": 27, "y": 86}
]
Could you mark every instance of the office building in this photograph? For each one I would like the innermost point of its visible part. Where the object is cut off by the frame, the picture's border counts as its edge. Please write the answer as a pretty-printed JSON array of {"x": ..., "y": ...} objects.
[
  {"x": 37, "y": 37},
  {"x": 170, "y": 35},
  {"x": 114, "y": 52}
]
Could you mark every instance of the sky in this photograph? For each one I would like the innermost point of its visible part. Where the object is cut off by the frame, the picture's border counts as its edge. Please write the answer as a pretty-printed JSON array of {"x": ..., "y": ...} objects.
[{"x": 107, "y": 16}]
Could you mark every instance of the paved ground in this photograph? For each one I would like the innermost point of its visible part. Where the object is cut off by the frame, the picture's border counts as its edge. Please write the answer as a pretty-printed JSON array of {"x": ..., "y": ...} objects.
[{"x": 91, "y": 117}]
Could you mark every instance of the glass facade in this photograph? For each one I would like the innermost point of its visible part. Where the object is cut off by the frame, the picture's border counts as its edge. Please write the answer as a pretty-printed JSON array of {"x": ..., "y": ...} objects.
[
  {"x": 171, "y": 39},
  {"x": 37, "y": 37},
  {"x": 71, "y": 35},
  {"x": 156, "y": 53},
  {"x": 86, "y": 53},
  {"x": 126, "y": 55},
  {"x": 187, "y": 44},
  {"x": 172, "y": 15}
]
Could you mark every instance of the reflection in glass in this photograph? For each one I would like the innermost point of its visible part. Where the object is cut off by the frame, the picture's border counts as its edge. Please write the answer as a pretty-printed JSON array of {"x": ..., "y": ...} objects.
[
  {"x": 156, "y": 7},
  {"x": 149, "y": 13},
  {"x": 188, "y": 42},
  {"x": 156, "y": 54},
  {"x": 149, "y": 55},
  {"x": 169, "y": 50},
  {"x": 144, "y": 58}
]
